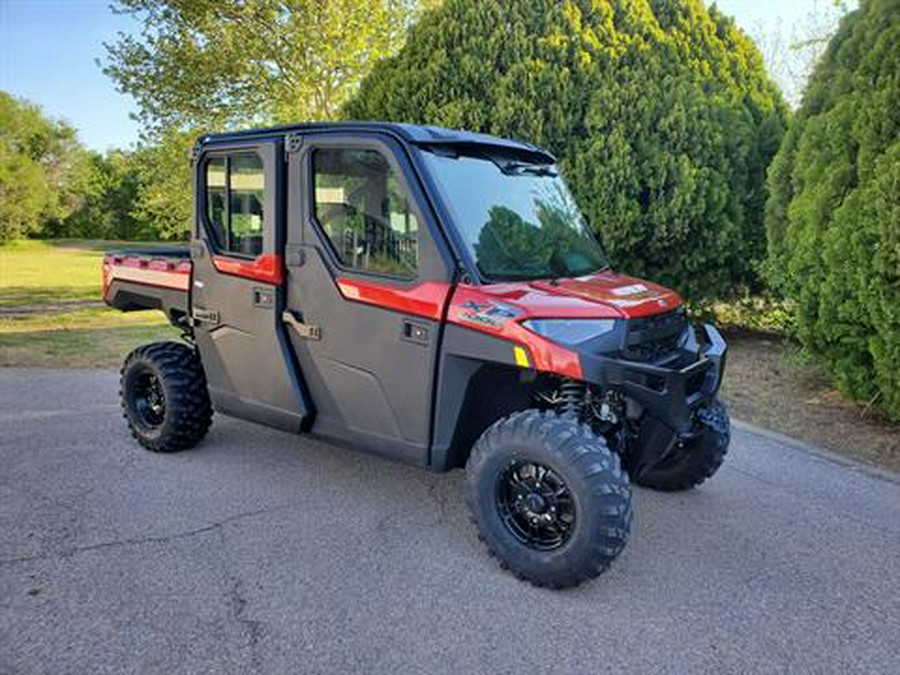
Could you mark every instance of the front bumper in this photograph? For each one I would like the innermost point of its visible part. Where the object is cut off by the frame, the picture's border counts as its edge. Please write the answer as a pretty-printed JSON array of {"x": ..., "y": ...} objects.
[{"x": 671, "y": 394}]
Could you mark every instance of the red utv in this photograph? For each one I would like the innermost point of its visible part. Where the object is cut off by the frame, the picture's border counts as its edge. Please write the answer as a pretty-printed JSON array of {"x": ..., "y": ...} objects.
[{"x": 433, "y": 296}]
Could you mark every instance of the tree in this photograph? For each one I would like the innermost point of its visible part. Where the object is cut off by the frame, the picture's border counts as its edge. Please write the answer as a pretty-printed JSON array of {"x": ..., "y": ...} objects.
[
  {"x": 660, "y": 112},
  {"x": 216, "y": 64},
  {"x": 206, "y": 65},
  {"x": 43, "y": 169},
  {"x": 791, "y": 52},
  {"x": 833, "y": 215},
  {"x": 164, "y": 201},
  {"x": 109, "y": 201}
]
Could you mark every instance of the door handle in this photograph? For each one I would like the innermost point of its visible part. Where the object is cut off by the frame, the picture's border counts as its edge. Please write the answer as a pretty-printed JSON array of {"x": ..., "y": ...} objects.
[
  {"x": 307, "y": 331},
  {"x": 415, "y": 332}
]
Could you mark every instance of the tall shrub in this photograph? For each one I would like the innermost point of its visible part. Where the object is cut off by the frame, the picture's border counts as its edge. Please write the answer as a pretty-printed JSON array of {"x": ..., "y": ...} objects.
[
  {"x": 833, "y": 215},
  {"x": 660, "y": 112}
]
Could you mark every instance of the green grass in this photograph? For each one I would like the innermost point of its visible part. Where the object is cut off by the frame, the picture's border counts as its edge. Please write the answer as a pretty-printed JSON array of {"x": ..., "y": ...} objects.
[
  {"x": 77, "y": 318},
  {"x": 48, "y": 315},
  {"x": 39, "y": 272},
  {"x": 81, "y": 348},
  {"x": 45, "y": 272}
]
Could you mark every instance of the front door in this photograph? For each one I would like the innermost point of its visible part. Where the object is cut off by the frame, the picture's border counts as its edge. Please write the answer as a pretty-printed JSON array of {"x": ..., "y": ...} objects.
[
  {"x": 367, "y": 283},
  {"x": 237, "y": 294}
]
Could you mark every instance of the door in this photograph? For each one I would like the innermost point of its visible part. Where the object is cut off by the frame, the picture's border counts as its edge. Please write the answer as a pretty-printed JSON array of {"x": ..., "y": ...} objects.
[
  {"x": 238, "y": 285},
  {"x": 367, "y": 284}
]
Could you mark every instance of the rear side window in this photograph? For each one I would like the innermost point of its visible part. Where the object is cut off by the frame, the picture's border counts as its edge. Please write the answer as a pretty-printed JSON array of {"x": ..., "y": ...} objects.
[
  {"x": 365, "y": 212},
  {"x": 235, "y": 194}
]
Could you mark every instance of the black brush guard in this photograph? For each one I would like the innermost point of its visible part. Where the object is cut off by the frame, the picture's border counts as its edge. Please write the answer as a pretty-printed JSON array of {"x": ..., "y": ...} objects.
[{"x": 670, "y": 395}]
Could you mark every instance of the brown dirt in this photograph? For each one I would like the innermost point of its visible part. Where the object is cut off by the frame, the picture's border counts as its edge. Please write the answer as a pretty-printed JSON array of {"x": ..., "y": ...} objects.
[{"x": 768, "y": 384}]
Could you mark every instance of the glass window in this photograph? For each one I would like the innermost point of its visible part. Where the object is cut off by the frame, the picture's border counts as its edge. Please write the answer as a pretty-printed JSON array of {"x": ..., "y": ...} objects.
[
  {"x": 365, "y": 212},
  {"x": 235, "y": 192},
  {"x": 215, "y": 197},
  {"x": 515, "y": 215}
]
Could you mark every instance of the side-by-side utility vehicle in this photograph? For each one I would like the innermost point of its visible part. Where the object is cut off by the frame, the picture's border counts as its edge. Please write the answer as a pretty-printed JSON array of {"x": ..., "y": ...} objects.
[{"x": 433, "y": 296}]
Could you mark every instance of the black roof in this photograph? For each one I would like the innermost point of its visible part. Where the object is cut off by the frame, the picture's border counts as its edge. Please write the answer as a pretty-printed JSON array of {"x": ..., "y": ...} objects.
[{"x": 412, "y": 133}]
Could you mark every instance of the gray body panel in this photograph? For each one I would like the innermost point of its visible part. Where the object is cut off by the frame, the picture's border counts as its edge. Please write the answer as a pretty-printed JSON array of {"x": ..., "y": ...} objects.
[
  {"x": 247, "y": 358},
  {"x": 372, "y": 386}
]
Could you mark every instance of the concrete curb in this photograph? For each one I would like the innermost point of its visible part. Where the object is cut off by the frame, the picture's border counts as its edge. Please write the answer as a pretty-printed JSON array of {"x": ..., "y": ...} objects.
[{"x": 818, "y": 451}]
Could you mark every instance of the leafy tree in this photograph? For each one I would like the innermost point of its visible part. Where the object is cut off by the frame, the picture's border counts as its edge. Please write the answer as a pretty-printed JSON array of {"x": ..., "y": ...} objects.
[
  {"x": 833, "y": 215},
  {"x": 660, "y": 112},
  {"x": 109, "y": 201},
  {"x": 206, "y": 65},
  {"x": 226, "y": 63},
  {"x": 164, "y": 200},
  {"x": 43, "y": 169}
]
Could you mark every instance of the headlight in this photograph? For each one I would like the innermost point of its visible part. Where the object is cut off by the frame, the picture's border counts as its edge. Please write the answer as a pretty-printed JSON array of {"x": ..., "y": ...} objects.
[{"x": 570, "y": 331}]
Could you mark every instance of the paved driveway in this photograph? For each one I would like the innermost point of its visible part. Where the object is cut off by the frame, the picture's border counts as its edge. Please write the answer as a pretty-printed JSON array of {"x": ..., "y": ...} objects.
[{"x": 260, "y": 551}]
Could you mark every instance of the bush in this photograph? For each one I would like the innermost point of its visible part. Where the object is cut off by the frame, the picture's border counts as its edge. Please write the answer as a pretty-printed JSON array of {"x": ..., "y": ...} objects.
[
  {"x": 660, "y": 112},
  {"x": 833, "y": 217}
]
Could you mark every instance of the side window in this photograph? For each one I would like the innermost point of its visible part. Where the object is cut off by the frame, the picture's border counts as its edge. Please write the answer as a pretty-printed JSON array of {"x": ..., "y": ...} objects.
[
  {"x": 365, "y": 212},
  {"x": 235, "y": 193}
]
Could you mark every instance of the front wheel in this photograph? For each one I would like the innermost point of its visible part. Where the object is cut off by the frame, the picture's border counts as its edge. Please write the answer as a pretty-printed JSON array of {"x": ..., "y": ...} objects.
[
  {"x": 694, "y": 460},
  {"x": 164, "y": 396},
  {"x": 549, "y": 498}
]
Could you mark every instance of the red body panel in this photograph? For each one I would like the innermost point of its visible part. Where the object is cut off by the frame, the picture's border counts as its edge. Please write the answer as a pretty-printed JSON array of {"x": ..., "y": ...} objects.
[
  {"x": 500, "y": 309},
  {"x": 426, "y": 299},
  {"x": 267, "y": 268},
  {"x": 604, "y": 295},
  {"x": 141, "y": 270},
  {"x": 472, "y": 307}
]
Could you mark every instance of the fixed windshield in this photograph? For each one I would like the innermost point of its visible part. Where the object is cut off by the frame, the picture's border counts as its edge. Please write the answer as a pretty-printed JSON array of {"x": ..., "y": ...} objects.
[{"x": 518, "y": 219}]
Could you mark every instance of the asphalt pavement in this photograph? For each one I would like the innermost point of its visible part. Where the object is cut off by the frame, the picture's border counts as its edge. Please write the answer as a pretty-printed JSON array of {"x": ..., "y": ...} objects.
[{"x": 264, "y": 552}]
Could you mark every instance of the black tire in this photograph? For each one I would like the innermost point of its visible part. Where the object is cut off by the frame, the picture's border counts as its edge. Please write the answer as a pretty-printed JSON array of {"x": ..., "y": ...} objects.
[
  {"x": 599, "y": 498},
  {"x": 691, "y": 463},
  {"x": 164, "y": 396}
]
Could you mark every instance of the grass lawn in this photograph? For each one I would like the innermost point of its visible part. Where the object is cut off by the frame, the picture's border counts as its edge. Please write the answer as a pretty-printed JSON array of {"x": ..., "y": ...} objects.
[
  {"x": 78, "y": 348},
  {"x": 51, "y": 313},
  {"x": 39, "y": 272}
]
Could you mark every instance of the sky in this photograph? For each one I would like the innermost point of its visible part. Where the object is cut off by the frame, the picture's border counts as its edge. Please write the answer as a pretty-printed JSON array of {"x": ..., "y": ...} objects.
[
  {"x": 47, "y": 55},
  {"x": 49, "y": 48}
]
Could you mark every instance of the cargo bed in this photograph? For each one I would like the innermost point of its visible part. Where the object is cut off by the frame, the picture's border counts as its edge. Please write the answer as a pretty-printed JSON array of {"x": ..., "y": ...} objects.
[{"x": 149, "y": 278}]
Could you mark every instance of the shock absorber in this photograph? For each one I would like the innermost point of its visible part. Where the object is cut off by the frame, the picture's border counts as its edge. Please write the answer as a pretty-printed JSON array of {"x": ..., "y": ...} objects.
[{"x": 571, "y": 399}]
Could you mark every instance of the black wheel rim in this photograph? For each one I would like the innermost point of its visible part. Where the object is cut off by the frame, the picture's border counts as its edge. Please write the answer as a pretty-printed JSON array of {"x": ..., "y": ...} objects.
[
  {"x": 536, "y": 505},
  {"x": 149, "y": 400}
]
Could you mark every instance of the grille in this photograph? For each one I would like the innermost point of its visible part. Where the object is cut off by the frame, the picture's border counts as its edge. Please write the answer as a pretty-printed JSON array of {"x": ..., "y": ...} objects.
[{"x": 654, "y": 337}]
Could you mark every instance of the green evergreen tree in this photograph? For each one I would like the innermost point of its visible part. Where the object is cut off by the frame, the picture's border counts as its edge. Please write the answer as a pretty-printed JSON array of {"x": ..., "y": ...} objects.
[
  {"x": 660, "y": 112},
  {"x": 833, "y": 215}
]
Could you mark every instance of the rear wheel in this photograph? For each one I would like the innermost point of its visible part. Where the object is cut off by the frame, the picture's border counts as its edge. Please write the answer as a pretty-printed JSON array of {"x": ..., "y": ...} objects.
[
  {"x": 694, "y": 460},
  {"x": 549, "y": 498},
  {"x": 164, "y": 396}
]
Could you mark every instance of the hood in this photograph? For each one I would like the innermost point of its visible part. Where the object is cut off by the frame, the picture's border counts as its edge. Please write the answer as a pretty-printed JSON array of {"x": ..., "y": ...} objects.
[{"x": 603, "y": 295}]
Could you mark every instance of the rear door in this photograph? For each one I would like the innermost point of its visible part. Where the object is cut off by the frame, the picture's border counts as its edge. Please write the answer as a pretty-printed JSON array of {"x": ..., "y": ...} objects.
[
  {"x": 238, "y": 284},
  {"x": 368, "y": 282}
]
